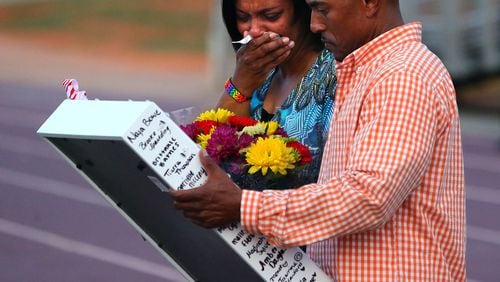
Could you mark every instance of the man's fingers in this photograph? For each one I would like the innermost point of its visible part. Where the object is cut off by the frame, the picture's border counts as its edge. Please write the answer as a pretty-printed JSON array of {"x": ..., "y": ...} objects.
[
  {"x": 182, "y": 195},
  {"x": 188, "y": 206},
  {"x": 195, "y": 195},
  {"x": 206, "y": 161},
  {"x": 210, "y": 165},
  {"x": 213, "y": 203},
  {"x": 193, "y": 215}
]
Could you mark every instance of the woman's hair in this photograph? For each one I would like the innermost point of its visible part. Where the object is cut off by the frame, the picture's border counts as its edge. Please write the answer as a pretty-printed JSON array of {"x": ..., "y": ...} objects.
[{"x": 302, "y": 15}]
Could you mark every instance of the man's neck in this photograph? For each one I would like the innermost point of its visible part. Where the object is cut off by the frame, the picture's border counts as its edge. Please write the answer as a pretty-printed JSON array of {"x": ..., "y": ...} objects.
[{"x": 390, "y": 19}]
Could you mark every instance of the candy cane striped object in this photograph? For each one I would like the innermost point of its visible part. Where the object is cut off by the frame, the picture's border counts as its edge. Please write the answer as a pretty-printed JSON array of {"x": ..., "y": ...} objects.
[{"x": 72, "y": 92}]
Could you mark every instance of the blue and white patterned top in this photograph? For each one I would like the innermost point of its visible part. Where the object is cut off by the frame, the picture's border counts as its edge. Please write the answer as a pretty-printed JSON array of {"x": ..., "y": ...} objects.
[{"x": 307, "y": 111}]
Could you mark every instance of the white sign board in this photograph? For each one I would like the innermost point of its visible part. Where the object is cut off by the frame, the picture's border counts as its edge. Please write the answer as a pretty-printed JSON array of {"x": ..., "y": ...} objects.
[{"x": 173, "y": 161}]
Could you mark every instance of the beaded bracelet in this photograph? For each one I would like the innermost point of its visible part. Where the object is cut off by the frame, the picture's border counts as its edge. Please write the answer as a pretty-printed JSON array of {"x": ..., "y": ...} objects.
[{"x": 233, "y": 92}]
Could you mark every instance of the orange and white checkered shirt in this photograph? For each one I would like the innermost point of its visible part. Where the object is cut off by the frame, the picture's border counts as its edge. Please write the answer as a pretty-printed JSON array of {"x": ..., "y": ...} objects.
[{"x": 389, "y": 204}]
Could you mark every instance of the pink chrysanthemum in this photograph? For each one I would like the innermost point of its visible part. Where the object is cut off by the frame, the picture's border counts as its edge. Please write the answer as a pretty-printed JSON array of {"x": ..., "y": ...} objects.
[
  {"x": 236, "y": 167},
  {"x": 190, "y": 129},
  {"x": 244, "y": 141},
  {"x": 223, "y": 143},
  {"x": 280, "y": 131}
]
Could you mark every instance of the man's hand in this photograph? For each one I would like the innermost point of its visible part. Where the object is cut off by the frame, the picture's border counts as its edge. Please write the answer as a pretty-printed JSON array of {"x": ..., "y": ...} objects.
[{"x": 215, "y": 203}]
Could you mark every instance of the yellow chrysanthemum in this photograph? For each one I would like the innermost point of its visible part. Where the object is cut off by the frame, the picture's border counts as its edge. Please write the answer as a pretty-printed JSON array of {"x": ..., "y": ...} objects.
[
  {"x": 202, "y": 139},
  {"x": 253, "y": 130},
  {"x": 270, "y": 153},
  {"x": 219, "y": 115},
  {"x": 271, "y": 127}
]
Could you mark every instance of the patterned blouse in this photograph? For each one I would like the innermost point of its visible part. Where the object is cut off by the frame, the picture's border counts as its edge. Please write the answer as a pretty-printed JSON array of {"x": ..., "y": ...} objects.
[{"x": 306, "y": 113}]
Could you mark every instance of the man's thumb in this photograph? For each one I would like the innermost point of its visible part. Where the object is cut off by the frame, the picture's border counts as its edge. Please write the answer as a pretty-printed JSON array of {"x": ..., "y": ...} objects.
[{"x": 206, "y": 161}]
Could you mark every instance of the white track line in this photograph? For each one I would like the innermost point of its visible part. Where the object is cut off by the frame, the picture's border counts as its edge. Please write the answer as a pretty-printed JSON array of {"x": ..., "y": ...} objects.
[
  {"x": 50, "y": 186},
  {"x": 88, "y": 250},
  {"x": 483, "y": 194},
  {"x": 36, "y": 147},
  {"x": 483, "y": 234},
  {"x": 482, "y": 162}
]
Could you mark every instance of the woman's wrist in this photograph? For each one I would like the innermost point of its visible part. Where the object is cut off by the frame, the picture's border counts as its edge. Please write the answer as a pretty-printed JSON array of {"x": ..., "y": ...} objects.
[{"x": 234, "y": 93}]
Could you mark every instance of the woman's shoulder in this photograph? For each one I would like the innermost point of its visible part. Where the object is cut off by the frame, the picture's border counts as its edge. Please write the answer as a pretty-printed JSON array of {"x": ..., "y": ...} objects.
[
  {"x": 325, "y": 63},
  {"x": 321, "y": 78},
  {"x": 326, "y": 56}
]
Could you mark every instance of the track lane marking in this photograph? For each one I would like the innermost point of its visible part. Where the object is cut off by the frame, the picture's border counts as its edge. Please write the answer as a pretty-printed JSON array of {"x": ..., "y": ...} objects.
[{"x": 88, "y": 250}]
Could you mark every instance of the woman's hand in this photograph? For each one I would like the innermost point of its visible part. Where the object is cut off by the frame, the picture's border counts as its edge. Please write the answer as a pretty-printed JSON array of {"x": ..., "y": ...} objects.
[{"x": 257, "y": 58}]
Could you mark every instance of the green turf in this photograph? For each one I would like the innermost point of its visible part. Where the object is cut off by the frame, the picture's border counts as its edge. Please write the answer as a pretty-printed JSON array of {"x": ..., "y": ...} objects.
[{"x": 157, "y": 29}]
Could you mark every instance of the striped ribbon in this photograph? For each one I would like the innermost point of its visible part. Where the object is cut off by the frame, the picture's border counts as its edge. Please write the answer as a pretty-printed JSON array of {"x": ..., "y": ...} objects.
[{"x": 72, "y": 91}]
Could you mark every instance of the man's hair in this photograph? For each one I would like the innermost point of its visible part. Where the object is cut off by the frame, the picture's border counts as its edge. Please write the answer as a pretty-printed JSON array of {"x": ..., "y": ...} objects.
[{"x": 301, "y": 16}]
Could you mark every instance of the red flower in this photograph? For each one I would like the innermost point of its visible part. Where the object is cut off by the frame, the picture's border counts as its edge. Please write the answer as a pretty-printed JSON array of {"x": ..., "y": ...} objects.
[
  {"x": 204, "y": 126},
  {"x": 305, "y": 154},
  {"x": 241, "y": 122}
]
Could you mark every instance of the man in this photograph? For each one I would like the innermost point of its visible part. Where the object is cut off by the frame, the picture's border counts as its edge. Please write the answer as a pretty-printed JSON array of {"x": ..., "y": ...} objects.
[{"x": 389, "y": 204}]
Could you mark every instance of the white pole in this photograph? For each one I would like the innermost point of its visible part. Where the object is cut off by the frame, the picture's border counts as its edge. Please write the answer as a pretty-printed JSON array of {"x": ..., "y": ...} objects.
[
  {"x": 452, "y": 44},
  {"x": 220, "y": 52},
  {"x": 489, "y": 26}
]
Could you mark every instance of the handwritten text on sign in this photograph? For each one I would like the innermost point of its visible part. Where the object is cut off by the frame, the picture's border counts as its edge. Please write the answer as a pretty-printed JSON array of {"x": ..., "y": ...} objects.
[
  {"x": 174, "y": 156},
  {"x": 169, "y": 151},
  {"x": 273, "y": 263}
]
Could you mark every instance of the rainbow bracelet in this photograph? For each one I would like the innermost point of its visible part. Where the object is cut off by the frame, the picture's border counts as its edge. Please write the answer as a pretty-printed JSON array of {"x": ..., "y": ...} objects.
[{"x": 233, "y": 92}]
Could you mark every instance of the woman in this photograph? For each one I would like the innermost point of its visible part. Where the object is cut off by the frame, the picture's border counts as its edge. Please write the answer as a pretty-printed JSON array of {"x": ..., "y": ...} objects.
[{"x": 283, "y": 73}]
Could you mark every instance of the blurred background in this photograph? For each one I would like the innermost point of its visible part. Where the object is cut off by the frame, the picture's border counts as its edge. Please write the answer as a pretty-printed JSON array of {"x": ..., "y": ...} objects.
[{"x": 55, "y": 227}]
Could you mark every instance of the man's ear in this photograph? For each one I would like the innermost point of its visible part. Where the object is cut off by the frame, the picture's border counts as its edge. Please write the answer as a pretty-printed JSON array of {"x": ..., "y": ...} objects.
[{"x": 371, "y": 7}]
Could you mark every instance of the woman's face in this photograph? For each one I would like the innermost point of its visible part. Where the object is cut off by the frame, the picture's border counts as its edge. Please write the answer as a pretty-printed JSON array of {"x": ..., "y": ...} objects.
[{"x": 259, "y": 16}]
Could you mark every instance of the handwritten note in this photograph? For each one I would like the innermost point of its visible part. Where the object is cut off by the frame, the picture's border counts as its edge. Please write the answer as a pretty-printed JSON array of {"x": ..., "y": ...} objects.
[
  {"x": 272, "y": 263},
  {"x": 167, "y": 149},
  {"x": 174, "y": 157}
]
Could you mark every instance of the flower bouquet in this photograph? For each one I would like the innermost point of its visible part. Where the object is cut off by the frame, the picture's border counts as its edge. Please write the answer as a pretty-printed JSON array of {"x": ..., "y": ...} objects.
[{"x": 257, "y": 155}]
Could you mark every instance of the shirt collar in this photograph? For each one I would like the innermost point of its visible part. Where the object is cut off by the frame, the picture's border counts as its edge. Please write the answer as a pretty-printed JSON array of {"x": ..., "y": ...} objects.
[{"x": 382, "y": 43}]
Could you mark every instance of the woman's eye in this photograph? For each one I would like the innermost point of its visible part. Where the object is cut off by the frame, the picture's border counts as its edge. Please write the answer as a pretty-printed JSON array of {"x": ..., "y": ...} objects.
[
  {"x": 272, "y": 16},
  {"x": 242, "y": 17},
  {"x": 322, "y": 11}
]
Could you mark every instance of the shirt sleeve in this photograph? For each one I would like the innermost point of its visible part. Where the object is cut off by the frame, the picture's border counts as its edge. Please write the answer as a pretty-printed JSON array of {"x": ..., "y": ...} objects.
[
  {"x": 249, "y": 208},
  {"x": 390, "y": 151}
]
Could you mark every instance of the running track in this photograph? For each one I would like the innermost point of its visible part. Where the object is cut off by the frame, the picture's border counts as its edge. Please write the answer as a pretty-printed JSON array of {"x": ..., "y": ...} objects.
[{"x": 55, "y": 227}]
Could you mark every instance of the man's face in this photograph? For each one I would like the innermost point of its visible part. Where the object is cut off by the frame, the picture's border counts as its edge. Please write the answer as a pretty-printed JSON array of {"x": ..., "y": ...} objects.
[{"x": 342, "y": 24}]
